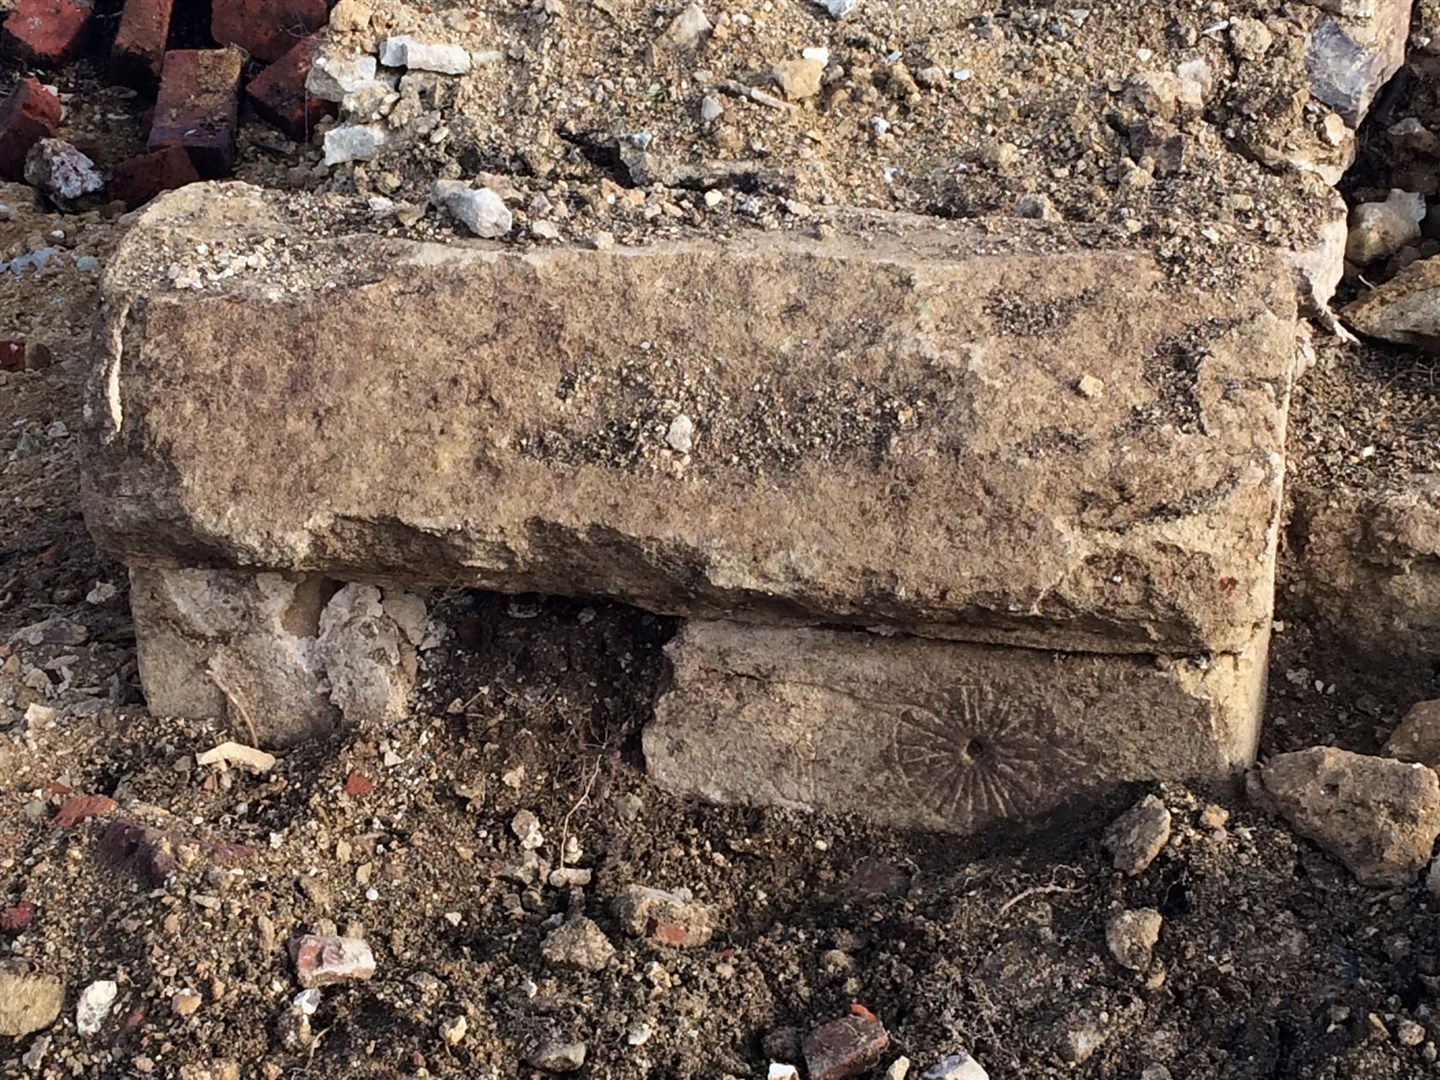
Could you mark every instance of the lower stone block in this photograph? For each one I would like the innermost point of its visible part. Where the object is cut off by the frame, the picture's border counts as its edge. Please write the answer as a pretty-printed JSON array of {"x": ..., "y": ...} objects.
[
  {"x": 283, "y": 658},
  {"x": 934, "y": 734}
]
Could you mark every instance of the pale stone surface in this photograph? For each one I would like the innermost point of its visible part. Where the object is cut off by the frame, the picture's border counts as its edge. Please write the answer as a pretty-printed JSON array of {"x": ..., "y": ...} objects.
[
  {"x": 1418, "y": 736},
  {"x": 885, "y": 427},
  {"x": 935, "y": 734},
  {"x": 1380, "y": 229},
  {"x": 1405, "y": 309},
  {"x": 1136, "y": 837},
  {"x": 1367, "y": 564},
  {"x": 1132, "y": 936},
  {"x": 1376, "y": 815},
  {"x": 280, "y": 657},
  {"x": 29, "y": 1001}
]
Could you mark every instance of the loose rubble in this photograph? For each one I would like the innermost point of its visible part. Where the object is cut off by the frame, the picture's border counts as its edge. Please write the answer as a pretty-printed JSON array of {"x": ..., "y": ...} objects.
[
  {"x": 1138, "y": 835},
  {"x": 1378, "y": 816}
]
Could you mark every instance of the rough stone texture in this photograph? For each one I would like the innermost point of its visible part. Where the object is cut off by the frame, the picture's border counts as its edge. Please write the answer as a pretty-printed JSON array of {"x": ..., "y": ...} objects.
[
  {"x": 666, "y": 917},
  {"x": 887, "y": 428},
  {"x": 578, "y": 943},
  {"x": 28, "y": 1002},
  {"x": 1405, "y": 309},
  {"x": 1378, "y": 816},
  {"x": 1367, "y": 564},
  {"x": 936, "y": 734},
  {"x": 281, "y": 658},
  {"x": 1132, "y": 935},
  {"x": 1418, "y": 736},
  {"x": 1137, "y": 836},
  {"x": 1350, "y": 59},
  {"x": 324, "y": 961}
]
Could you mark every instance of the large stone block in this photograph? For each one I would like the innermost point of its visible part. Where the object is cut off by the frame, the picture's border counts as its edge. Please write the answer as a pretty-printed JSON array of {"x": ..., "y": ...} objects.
[
  {"x": 937, "y": 734},
  {"x": 1024, "y": 439}
]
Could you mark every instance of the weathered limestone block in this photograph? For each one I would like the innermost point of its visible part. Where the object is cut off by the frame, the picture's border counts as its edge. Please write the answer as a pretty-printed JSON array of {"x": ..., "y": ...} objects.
[
  {"x": 283, "y": 658},
  {"x": 1023, "y": 439},
  {"x": 937, "y": 734},
  {"x": 1368, "y": 565}
]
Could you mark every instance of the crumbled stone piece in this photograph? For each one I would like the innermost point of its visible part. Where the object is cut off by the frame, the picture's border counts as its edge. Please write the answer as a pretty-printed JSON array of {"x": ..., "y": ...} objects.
[
  {"x": 1138, "y": 835},
  {"x": 332, "y": 76},
  {"x": 326, "y": 960},
  {"x": 578, "y": 943},
  {"x": 1379, "y": 229},
  {"x": 1378, "y": 816},
  {"x": 956, "y": 1066},
  {"x": 559, "y": 1057},
  {"x": 61, "y": 172},
  {"x": 94, "y": 1005},
  {"x": 29, "y": 1002},
  {"x": 1132, "y": 935},
  {"x": 480, "y": 210},
  {"x": 666, "y": 917},
  {"x": 408, "y": 52},
  {"x": 798, "y": 79},
  {"x": 1418, "y": 736},
  {"x": 233, "y": 753}
]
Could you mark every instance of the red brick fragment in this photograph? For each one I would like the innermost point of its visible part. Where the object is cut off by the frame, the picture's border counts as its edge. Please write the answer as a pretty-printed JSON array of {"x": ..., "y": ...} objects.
[
  {"x": 846, "y": 1047},
  {"x": 197, "y": 106},
  {"x": 77, "y": 808},
  {"x": 280, "y": 96},
  {"x": 324, "y": 961},
  {"x": 47, "y": 32},
  {"x": 358, "y": 784},
  {"x": 139, "y": 179},
  {"x": 29, "y": 114},
  {"x": 17, "y": 916},
  {"x": 12, "y": 355},
  {"x": 138, "y": 54},
  {"x": 266, "y": 29}
]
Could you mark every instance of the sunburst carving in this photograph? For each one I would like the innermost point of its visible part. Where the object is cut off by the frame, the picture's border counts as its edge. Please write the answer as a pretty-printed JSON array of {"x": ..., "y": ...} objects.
[{"x": 974, "y": 756}]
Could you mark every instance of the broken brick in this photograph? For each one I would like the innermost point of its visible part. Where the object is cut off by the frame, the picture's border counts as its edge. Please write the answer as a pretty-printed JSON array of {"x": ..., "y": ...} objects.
[
  {"x": 280, "y": 96},
  {"x": 323, "y": 961},
  {"x": 47, "y": 32},
  {"x": 358, "y": 784},
  {"x": 77, "y": 808},
  {"x": 197, "y": 106},
  {"x": 266, "y": 29},
  {"x": 16, "y": 917},
  {"x": 29, "y": 114},
  {"x": 139, "y": 179},
  {"x": 666, "y": 917},
  {"x": 846, "y": 1047},
  {"x": 12, "y": 355},
  {"x": 138, "y": 55}
]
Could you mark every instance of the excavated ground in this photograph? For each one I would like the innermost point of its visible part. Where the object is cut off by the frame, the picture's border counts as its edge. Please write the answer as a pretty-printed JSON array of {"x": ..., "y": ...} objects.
[{"x": 1272, "y": 962}]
